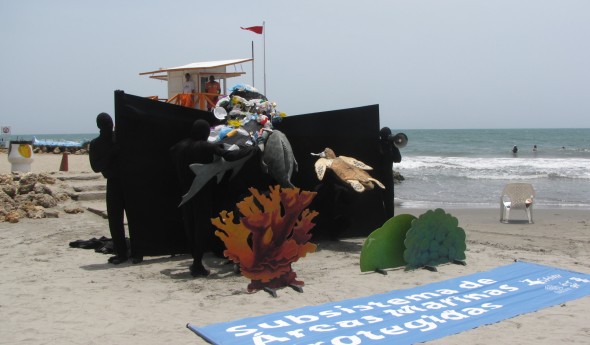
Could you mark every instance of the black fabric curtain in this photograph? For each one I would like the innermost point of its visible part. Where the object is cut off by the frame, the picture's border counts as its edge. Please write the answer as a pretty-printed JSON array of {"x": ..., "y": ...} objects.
[
  {"x": 146, "y": 129},
  {"x": 349, "y": 132}
]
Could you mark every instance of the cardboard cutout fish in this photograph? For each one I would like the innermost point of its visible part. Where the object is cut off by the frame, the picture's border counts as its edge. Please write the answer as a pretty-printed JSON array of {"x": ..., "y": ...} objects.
[{"x": 205, "y": 172}]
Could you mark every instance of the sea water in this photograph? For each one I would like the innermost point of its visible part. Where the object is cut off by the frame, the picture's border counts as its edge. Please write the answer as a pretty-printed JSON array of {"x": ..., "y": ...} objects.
[
  {"x": 470, "y": 167},
  {"x": 77, "y": 137}
]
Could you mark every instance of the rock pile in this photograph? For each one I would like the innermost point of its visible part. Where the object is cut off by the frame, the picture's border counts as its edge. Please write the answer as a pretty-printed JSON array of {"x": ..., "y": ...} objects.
[
  {"x": 397, "y": 177},
  {"x": 31, "y": 195}
]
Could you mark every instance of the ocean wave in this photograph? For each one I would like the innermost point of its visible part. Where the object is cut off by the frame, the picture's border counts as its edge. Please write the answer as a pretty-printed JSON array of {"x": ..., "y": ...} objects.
[
  {"x": 495, "y": 168},
  {"x": 469, "y": 168}
]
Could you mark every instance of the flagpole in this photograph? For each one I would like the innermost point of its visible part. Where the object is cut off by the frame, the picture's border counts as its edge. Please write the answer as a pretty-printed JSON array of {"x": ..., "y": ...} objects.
[
  {"x": 258, "y": 30},
  {"x": 264, "y": 54},
  {"x": 252, "y": 63}
]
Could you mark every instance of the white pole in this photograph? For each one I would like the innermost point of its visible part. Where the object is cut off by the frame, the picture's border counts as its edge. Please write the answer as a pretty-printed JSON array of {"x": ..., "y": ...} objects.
[
  {"x": 264, "y": 53},
  {"x": 252, "y": 63}
]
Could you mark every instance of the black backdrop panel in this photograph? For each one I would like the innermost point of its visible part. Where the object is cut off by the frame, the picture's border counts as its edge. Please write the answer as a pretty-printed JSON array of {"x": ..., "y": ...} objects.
[
  {"x": 349, "y": 132},
  {"x": 146, "y": 129}
]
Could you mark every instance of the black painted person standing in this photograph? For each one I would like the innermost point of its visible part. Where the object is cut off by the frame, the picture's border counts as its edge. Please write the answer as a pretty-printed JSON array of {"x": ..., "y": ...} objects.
[
  {"x": 198, "y": 211},
  {"x": 103, "y": 158},
  {"x": 389, "y": 154}
]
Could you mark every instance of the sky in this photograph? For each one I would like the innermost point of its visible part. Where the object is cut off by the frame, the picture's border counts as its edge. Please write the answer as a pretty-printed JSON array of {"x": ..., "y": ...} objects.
[{"x": 429, "y": 64}]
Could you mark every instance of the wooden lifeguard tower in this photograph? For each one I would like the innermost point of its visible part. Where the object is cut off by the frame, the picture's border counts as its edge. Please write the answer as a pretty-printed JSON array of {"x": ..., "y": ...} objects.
[{"x": 200, "y": 73}]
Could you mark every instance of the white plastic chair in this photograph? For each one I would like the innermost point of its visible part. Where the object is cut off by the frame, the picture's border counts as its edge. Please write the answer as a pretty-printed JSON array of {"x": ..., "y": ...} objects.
[{"x": 517, "y": 196}]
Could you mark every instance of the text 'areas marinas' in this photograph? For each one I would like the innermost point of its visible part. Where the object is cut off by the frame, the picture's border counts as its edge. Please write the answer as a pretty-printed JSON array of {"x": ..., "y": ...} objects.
[{"x": 430, "y": 308}]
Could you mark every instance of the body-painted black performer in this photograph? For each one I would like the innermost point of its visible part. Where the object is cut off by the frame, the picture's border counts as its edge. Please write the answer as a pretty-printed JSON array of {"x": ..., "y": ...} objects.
[
  {"x": 198, "y": 211},
  {"x": 389, "y": 154},
  {"x": 103, "y": 158}
]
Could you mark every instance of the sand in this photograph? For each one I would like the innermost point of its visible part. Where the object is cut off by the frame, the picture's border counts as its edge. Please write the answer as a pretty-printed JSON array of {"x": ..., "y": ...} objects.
[
  {"x": 49, "y": 162},
  {"x": 53, "y": 294}
]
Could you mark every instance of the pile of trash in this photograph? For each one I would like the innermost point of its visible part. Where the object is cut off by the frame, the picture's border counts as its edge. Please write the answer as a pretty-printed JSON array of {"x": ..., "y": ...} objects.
[
  {"x": 30, "y": 195},
  {"x": 247, "y": 113}
]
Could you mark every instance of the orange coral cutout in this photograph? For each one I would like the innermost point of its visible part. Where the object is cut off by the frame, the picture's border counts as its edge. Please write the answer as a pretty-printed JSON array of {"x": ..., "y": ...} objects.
[{"x": 268, "y": 237}]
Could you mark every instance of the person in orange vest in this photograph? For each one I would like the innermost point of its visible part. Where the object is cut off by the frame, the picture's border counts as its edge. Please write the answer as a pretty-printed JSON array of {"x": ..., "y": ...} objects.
[{"x": 212, "y": 87}]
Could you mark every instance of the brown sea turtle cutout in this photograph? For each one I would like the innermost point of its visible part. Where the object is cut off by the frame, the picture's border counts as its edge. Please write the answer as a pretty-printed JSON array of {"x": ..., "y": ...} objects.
[{"x": 347, "y": 169}]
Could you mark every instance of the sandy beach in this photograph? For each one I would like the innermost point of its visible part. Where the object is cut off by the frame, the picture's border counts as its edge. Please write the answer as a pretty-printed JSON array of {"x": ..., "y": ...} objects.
[{"x": 53, "y": 294}]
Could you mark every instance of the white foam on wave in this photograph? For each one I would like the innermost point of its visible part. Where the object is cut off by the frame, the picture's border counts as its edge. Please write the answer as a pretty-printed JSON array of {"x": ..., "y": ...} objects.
[{"x": 496, "y": 168}]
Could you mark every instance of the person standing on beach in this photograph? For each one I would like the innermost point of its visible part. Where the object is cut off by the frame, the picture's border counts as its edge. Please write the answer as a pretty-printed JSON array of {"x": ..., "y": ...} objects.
[
  {"x": 103, "y": 155},
  {"x": 198, "y": 211},
  {"x": 212, "y": 87}
]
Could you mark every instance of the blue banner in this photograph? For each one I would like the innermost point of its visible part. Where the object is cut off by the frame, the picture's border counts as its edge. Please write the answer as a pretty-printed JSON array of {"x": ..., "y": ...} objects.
[{"x": 413, "y": 315}]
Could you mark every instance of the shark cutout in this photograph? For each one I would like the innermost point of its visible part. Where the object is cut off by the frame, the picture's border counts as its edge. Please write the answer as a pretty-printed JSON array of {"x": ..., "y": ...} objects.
[{"x": 205, "y": 172}]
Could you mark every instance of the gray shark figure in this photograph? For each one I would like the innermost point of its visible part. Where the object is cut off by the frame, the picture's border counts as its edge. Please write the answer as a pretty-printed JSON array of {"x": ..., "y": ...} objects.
[
  {"x": 205, "y": 172},
  {"x": 278, "y": 159}
]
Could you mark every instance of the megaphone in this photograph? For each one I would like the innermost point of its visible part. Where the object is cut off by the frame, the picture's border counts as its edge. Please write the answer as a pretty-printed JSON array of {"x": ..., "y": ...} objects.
[{"x": 400, "y": 140}]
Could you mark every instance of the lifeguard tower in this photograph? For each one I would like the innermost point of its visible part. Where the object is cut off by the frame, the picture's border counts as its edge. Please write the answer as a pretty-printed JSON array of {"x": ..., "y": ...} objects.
[{"x": 200, "y": 73}]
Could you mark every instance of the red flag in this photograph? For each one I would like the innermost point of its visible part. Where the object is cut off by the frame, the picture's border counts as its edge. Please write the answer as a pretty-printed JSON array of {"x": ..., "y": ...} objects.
[{"x": 256, "y": 29}]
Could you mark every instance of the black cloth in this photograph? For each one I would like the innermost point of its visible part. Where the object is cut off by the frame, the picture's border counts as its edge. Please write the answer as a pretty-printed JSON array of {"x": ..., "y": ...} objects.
[
  {"x": 103, "y": 245},
  {"x": 93, "y": 243}
]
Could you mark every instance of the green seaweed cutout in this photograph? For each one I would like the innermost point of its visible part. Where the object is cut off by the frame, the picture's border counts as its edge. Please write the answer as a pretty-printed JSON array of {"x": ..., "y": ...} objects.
[
  {"x": 384, "y": 247},
  {"x": 433, "y": 239}
]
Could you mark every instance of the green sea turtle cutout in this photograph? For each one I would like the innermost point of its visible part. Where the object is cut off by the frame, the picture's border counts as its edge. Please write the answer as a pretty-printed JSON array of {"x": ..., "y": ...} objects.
[
  {"x": 435, "y": 238},
  {"x": 384, "y": 248}
]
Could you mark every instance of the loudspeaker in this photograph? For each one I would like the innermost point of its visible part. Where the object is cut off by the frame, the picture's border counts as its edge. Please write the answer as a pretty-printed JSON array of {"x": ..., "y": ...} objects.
[{"x": 400, "y": 140}]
